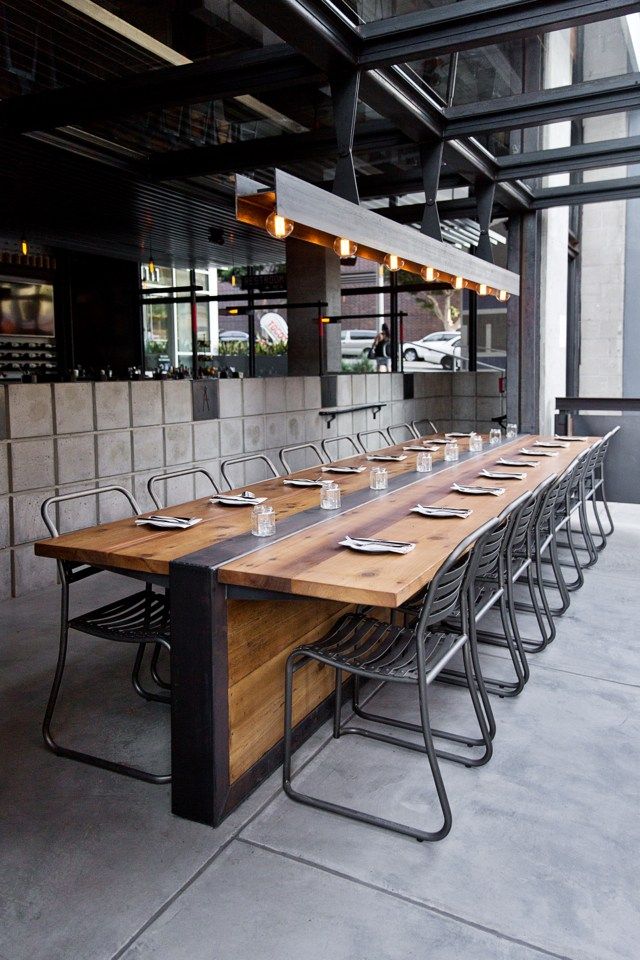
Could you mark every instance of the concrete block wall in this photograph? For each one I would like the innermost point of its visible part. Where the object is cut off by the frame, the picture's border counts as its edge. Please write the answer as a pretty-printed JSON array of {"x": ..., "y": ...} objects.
[{"x": 60, "y": 438}]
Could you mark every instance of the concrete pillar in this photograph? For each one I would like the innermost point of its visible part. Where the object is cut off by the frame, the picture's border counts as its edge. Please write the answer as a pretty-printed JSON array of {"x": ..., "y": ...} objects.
[{"x": 313, "y": 275}]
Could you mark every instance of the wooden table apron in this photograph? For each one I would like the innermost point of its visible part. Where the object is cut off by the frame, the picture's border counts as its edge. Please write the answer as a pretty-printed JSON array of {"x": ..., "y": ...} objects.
[{"x": 216, "y": 644}]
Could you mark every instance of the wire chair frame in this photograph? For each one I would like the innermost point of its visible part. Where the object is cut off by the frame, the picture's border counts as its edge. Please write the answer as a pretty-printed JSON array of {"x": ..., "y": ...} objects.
[
  {"x": 141, "y": 618},
  {"x": 379, "y": 432},
  {"x": 160, "y": 477},
  {"x": 423, "y": 422},
  {"x": 396, "y": 427},
  {"x": 346, "y": 438},
  {"x": 249, "y": 458},
  {"x": 300, "y": 446}
]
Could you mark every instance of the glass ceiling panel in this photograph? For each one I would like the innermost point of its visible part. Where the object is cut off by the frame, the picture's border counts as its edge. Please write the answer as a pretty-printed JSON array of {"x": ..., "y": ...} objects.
[
  {"x": 489, "y": 72},
  {"x": 369, "y": 10}
]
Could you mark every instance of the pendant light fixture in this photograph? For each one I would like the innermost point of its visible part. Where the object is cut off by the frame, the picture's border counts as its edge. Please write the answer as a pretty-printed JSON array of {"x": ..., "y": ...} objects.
[
  {"x": 278, "y": 227},
  {"x": 503, "y": 296},
  {"x": 430, "y": 274},
  {"x": 393, "y": 262},
  {"x": 24, "y": 247},
  {"x": 344, "y": 248}
]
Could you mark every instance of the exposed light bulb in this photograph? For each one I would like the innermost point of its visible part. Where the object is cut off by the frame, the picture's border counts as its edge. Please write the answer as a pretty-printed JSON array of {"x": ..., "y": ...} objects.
[
  {"x": 278, "y": 227},
  {"x": 393, "y": 262},
  {"x": 152, "y": 266},
  {"x": 24, "y": 247},
  {"x": 482, "y": 289},
  {"x": 344, "y": 248},
  {"x": 503, "y": 296},
  {"x": 429, "y": 274},
  {"x": 233, "y": 280},
  {"x": 458, "y": 283}
]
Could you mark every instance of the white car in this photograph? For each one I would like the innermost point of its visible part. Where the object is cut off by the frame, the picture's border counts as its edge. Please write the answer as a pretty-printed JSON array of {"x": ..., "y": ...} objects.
[
  {"x": 357, "y": 343},
  {"x": 435, "y": 348}
]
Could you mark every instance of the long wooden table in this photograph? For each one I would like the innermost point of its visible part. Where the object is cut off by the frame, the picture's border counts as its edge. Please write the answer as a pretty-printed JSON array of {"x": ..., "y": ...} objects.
[{"x": 240, "y": 604}]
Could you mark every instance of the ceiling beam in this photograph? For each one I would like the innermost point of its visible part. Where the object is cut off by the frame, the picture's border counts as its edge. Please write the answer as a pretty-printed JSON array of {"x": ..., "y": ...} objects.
[
  {"x": 411, "y": 213},
  {"x": 475, "y": 23},
  {"x": 580, "y": 156},
  {"x": 275, "y": 151},
  {"x": 593, "y": 97},
  {"x": 596, "y": 191},
  {"x": 252, "y": 72}
]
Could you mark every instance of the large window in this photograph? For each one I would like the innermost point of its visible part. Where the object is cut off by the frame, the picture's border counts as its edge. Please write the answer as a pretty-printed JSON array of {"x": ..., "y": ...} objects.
[{"x": 167, "y": 326}]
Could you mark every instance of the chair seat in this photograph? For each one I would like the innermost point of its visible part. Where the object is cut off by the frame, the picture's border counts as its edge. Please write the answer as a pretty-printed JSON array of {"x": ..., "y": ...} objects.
[
  {"x": 379, "y": 650},
  {"x": 142, "y": 617}
]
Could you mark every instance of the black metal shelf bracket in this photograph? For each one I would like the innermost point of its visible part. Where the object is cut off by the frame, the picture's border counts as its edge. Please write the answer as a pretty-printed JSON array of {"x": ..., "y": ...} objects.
[{"x": 332, "y": 412}]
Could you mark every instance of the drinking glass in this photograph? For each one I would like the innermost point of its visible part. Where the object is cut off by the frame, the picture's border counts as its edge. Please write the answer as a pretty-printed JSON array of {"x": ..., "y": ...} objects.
[
  {"x": 424, "y": 463},
  {"x": 330, "y": 495},
  {"x": 263, "y": 520},
  {"x": 475, "y": 443},
  {"x": 378, "y": 478},
  {"x": 495, "y": 436},
  {"x": 512, "y": 431},
  {"x": 451, "y": 451}
]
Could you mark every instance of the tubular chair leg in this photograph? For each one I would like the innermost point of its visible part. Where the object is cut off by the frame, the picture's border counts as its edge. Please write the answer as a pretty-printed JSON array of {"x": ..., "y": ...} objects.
[
  {"x": 570, "y": 545},
  {"x": 137, "y": 683},
  {"x": 605, "y": 504},
  {"x": 586, "y": 534},
  {"x": 542, "y": 614},
  {"x": 154, "y": 668},
  {"x": 294, "y": 661},
  {"x": 124, "y": 769},
  {"x": 601, "y": 531}
]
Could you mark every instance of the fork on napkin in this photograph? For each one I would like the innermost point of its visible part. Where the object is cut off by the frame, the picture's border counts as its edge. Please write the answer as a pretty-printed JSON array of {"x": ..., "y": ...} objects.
[
  {"x": 549, "y": 443},
  {"x": 169, "y": 523},
  {"x": 496, "y": 491},
  {"x": 539, "y": 453},
  {"x": 367, "y": 545},
  {"x": 380, "y": 456},
  {"x": 581, "y": 439},
  {"x": 304, "y": 482},
  {"x": 517, "y": 463},
  {"x": 247, "y": 498},
  {"x": 462, "y": 512},
  {"x": 343, "y": 469},
  {"x": 499, "y": 475}
]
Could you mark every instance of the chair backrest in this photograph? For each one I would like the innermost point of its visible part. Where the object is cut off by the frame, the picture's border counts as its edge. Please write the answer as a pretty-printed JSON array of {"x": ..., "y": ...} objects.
[
  {"x": 454, "y": 576},
  {"x": 67, "y": 568},
  {"x": 334, "y": 452},
  {"x": 159, "y": 477},
  {"x": 381, "y": 437},
  {"x": 423, "y": 427},
  {"x": 604, "y": 446},
  {"x": 524, "y": 523},
  {"x": 300, "y": 446},
  {"x": 495, "y": 542},
  {"x": 400, "y": 432},
  {"x": 249, "y": 458}
]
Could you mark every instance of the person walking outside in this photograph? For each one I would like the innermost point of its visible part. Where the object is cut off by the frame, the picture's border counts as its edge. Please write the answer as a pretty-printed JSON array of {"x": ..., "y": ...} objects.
[{"x": 382, "y": 349}]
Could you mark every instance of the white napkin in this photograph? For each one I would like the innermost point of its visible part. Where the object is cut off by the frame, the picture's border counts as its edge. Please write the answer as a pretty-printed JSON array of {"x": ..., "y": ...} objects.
[
  {"x": 169, "y": 523},
  {"x": 441, "y": 511},
  {"x": 343, "y": 469},
  {"x": 438, "y": 441},
  {"x": 549, "y": 443},
  {"x": 420, "y": 449},
  {"x": 581, "y": 439},
  {"x": 495, "y": 491},
  {"x": 377, "y": 546},
  {"x": 380, "y": 456},
  {"x": 518, "y": 463},
  {"x": 236, "y": 500},
  {"x": 497, "y": 475},
  {"x": 303, "y": 482},
  {"x": 539, "y": 453},
  {"x": 454, "y": 435}
]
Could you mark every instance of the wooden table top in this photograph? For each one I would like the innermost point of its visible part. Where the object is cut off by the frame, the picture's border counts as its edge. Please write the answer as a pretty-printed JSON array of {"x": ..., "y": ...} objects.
[{"x": 309, "y": 562}]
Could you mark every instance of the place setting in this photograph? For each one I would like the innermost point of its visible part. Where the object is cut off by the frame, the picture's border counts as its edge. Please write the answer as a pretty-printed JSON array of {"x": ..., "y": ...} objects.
[
  {"x": 442, "y": 512},
  {"x": 343, "y": 469},
  {"x": 168, "y": 523},
  {"x": 246, "y": 499},
  {"x": 397, "y": 458},
  {"x": 539, "y": 453},
  {"x": 371, "y": 545},
  {"x": 506, "y": 462},
  {"x": 303, "y": 482},
  {"x": 502, "y": 475},
  {"x": 550, "y": 443},
  {"x": 570, "y": 439},
  {"x": 478, "y": 490}
]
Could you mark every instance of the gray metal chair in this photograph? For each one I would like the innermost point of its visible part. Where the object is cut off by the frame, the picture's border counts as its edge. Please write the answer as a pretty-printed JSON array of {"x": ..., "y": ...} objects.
[
  {"x": 345, "y": 438},
  {"x": 160, "y": 477},
  {"x": 419, "y": 427},
  {"x": 366, "y": 648},
  {"x": 141, "y": 618},
  {"x": 249, "y": 458},
  {"x": 404, "y": 428},
  {"x": 300, "y": 446},
  {"x": 378, "y": 432}
]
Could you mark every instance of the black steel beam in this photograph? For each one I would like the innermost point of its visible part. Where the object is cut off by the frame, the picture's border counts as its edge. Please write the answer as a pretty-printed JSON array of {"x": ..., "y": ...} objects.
[
  {"x": 608, "y": 95},
  {"x": 252, "y": 72},
  {"x": 475, "y": 23},
  {"x": 597, "y": 191},
  {"x": 580, "y": 156},
  {"x": 448, "y": 209},
  {"x": 268, "y": 151}
]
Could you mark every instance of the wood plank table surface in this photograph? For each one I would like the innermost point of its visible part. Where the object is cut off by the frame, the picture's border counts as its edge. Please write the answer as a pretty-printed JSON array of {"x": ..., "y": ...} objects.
[{"x": 240, "y": 604}]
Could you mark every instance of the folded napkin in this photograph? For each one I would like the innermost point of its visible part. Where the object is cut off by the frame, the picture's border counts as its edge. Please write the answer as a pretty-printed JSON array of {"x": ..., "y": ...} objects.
[
  {"x": 497, "y": 475},
  {"x": 377, "y": 546},
  {"x": 538, "y": 453},
  {"x": 581, "y": 439},
  {"x": 496, "y": 491},
  {"x": 438, "y": 441},
  {"x": 462, "y": 513},
  {"x": 380, "y": 456},
  {"x": 416, "y": 447},
  {"x": 429, "y": 448},
  {"x": 237, "y": 500},
  {"x": 169, "y": 523},
  {"x": 343, "y": 469},
  {"x": 549, "y": 443},
  {"x": 517, "y": 463},
  {"x": 303, "y": 482},
  {"x": 454, "y": 435}
]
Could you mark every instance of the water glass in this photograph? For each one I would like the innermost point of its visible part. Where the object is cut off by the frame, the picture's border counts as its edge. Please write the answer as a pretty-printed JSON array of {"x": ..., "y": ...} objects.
[
  {"x": 512, "y": 431},
  {"x": 475, "y": 443},
  {"x": 330, "y": 495},
  {"x": 424, "y": 463},
  {"x": 451, "y": 451},
  {"x": 378, "y": 478},
  {"x": 263, "y": 520},
  {"x": 495, "y": 436}
]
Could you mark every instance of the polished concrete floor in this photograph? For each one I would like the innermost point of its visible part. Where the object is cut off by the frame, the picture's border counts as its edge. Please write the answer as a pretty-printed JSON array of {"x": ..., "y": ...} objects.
[{"x": 542, "y": 860}]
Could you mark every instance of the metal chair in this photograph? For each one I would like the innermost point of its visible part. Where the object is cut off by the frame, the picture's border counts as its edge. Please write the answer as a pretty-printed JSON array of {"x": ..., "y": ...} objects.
[
  {"x": 419, "y": 425},
  {"x": 249, "y": 458},
  {"x": 365, "y": 648},
  {"x": 345, "y": 438},
  {"x": 300, "y": 446},
  {"x": 378, "y": 432},
  {"x": 401, "y": 427},
  {"x": 160, "y": 477},
  {"x": 140, "y": 618}
]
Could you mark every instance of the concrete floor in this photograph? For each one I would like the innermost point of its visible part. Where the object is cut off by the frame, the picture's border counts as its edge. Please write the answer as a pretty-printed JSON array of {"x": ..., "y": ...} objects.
[{"x": 542, "y": 859}]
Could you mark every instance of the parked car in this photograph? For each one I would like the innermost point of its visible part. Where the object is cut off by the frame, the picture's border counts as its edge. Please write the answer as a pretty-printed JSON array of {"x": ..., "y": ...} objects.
[
  {"x": 356, "y": 343},
  {"x": 234, "y": 336},
  {"x": 432, "y": 347}
]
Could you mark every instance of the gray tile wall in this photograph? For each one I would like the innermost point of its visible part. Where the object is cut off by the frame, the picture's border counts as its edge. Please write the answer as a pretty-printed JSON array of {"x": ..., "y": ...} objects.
[{"x": 60, "y": 438}]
